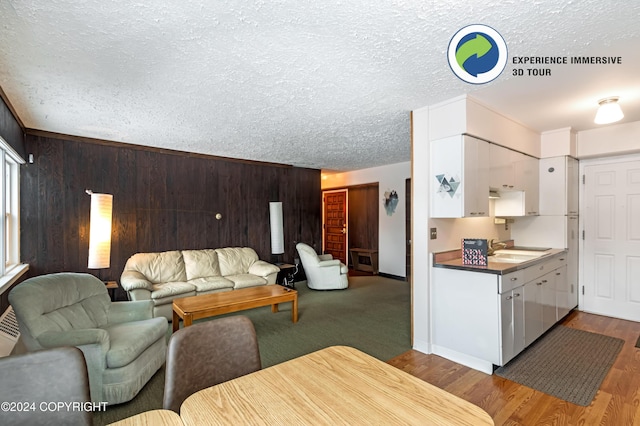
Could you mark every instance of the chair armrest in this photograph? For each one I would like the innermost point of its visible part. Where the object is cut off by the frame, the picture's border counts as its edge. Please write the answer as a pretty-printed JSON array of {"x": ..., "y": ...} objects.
[
  {"x": 120, "y": 312},
  {"x": 262, "y": 268},
  {"x": 327, "y": 256},
  {"x": 329, "y": 263},
  {"x": 131, "y": 280},
  {"x": 87, "y": 336}
]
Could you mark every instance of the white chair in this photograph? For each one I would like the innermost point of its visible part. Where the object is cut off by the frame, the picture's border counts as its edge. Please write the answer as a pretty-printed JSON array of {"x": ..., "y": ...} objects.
[{"x": 323, "y": 272}]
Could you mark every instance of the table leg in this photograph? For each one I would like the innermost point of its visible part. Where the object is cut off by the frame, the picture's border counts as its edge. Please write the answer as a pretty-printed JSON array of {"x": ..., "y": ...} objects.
[
  {"x": 175, "y": 321},
  {"x": 274, "y": 308},
  {"x": 187, "y": 320},
  {"x": 294, "y": 309}
]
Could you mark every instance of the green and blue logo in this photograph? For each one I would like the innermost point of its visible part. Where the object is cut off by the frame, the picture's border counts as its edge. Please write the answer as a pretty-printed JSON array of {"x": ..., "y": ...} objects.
[{"x": 477, "y": 54}]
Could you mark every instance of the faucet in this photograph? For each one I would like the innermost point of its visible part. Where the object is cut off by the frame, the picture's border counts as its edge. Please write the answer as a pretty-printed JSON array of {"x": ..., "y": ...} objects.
[{"x": 493, "y": 246}]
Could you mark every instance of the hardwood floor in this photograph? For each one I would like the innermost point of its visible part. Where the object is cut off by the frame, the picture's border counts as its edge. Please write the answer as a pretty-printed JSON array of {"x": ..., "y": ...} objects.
[{"x": 508, "y": 403}]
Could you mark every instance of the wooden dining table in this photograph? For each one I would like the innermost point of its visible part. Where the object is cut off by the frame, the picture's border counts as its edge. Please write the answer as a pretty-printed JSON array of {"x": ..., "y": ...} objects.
[{"x": 335, "y": 385}]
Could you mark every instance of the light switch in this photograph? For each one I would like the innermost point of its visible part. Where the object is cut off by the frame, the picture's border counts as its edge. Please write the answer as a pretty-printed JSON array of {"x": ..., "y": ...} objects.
[{"x": 433, "y": 234}]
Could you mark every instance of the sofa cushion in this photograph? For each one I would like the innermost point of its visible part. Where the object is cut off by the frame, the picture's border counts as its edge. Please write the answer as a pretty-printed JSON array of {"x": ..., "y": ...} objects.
[
  {"x": 174, "y": 289},
  {"x": 235, "y": 260},
  {"x": 246, "y": 280},
  {"x": 211, "y": 283},
  {"x": 162, "y": 267},
  {"x": 128, "y": 340},
  {"x": 201, "y": 263},
  {"x": 263, "y": 269}
]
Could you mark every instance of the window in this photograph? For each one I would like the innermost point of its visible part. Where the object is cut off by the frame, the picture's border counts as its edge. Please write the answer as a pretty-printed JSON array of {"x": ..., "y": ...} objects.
[{"x": 10, "y": 203}]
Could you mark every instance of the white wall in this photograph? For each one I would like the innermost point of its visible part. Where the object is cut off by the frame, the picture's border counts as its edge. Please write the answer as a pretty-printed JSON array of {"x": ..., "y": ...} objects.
[
  {"x": 609, "y": 140},
  {"x": 391, "y": 229}
]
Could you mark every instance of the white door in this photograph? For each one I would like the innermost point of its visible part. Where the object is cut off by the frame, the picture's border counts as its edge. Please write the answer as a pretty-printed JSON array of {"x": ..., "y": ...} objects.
[{"x": 611, "y": 260}]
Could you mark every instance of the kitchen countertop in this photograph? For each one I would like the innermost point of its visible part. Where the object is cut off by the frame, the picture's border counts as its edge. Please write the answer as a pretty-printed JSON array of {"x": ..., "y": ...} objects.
[{"x": 498, "y": 268}]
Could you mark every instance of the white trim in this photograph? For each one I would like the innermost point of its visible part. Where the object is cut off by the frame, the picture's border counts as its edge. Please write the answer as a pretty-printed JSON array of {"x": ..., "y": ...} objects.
[
  {"x": 12, "y": 152},
  {"x": 12, "y": 276}
]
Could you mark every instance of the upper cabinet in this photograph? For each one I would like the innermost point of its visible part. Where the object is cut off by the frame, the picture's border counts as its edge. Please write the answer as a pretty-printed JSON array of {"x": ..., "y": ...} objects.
[
  {"x": 460, "y": 177},
  {"x": 559, "y": 186},
  {"x": 515, "y": 176},
  {"x": 502, "y": 168}
]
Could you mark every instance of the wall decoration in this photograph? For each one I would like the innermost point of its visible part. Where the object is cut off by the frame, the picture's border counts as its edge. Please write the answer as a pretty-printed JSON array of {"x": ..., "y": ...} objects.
[
  {"x": 390, "y": 202},
  {"x": 448, "y": 186}
]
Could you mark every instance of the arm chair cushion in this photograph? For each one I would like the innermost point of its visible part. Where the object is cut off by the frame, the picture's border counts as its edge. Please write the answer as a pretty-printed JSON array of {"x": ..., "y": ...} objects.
[
  {"x": 60, "y": 302},
  {"x": 88, "y": 336},
  {"x": 130, "y": 311},
  {"x": 130, "y": 339}
]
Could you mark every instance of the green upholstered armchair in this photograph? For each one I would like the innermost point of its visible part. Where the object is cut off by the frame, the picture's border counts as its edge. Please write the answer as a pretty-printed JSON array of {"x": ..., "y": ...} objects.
[{"x": 123, "y": 344}]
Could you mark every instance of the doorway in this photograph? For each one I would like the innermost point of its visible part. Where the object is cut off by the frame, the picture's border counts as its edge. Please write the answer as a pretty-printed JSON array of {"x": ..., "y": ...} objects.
[
  {"x": 355, "y": 210},
  {"x": 334, "y": 235},
  {"x": 611, "y": 240}
]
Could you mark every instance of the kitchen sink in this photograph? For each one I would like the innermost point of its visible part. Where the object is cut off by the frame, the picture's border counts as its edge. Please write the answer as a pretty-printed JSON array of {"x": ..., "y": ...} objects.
[{"x": 515, "y": 256}]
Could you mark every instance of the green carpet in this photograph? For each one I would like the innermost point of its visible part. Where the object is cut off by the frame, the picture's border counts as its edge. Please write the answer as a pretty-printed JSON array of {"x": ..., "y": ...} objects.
[{"x": 372, "y": 315}]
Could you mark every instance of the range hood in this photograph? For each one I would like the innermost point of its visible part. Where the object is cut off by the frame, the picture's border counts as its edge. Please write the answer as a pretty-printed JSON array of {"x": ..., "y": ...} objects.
[{"x": 493, "y": 194}]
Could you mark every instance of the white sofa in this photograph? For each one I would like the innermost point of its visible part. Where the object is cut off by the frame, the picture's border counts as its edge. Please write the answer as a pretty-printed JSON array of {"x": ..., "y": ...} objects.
[
  {"x": 323, "y": 271},
  {"x": 169, "y": 275}
]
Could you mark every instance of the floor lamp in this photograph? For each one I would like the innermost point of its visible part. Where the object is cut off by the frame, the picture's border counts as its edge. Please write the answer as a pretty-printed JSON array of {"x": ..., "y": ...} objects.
[
  {"x": 100, "y": 230},
  {"x": 277, "y": 229}
]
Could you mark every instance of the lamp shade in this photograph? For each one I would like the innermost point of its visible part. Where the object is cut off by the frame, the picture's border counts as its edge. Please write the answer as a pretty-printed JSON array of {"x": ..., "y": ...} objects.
[
  {"x": 277, "y": 230},
  {"x": 609, "y": 111},
  {"x": 100, "y": 231}
]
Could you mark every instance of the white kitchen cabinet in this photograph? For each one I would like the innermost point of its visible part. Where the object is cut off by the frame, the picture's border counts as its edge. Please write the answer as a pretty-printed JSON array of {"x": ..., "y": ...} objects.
[
  {"x": 501, "y": 169},
  {"x": 512, "y": 322},
  {"x": 559, "y": 185},
  {"x": 548, "y": 286},
  {"x": 482, "y": 319},
  {"x": 466, "y": 317},
  {"x": 460, "y": 186},
  {"x": 565, "y": 296},
  {"x": 516, "y": 177},
  {"x": 527, "y": 179}
]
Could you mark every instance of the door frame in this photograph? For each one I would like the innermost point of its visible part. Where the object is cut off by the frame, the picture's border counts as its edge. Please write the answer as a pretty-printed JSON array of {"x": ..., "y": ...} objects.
[
  {"x": 625, "y": 158},
  {"x": 346, "y": 212}
]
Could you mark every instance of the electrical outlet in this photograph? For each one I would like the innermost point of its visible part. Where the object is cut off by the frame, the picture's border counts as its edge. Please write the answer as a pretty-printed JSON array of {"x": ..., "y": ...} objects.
[{"x": 433, "y": 234}]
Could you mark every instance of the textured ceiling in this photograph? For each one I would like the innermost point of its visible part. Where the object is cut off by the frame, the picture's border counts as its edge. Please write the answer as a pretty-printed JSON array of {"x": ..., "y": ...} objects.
[{"x": 323, "y": 84}]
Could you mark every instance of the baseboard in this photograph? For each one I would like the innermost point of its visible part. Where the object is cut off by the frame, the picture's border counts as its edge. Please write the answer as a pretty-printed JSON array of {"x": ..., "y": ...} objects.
[{"x": 393, "y": 277}]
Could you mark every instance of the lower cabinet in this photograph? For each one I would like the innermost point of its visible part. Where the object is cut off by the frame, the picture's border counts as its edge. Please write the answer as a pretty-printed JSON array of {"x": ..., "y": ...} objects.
[
  {"x": 482, "y": 319},
  {"x": 512, "y": 321},
  {"x": 540, "y": 306}
]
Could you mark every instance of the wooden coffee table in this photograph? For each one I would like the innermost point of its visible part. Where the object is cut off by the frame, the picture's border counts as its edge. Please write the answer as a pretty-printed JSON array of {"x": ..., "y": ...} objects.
[{"x": 208, "y": 305}]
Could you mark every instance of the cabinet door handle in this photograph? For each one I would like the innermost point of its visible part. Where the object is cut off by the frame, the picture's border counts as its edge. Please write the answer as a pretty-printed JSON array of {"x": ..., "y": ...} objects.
[
  {"x": 557, "y": 273},
  {"x": 509, "y": 297},
  {"x": 514, "y": 279},
  {"x": 544, "y": 281},
  {"x": 516, "y": 295},
  {"x": 538, "y": 283},
  {"x": 561, "y": 259}
]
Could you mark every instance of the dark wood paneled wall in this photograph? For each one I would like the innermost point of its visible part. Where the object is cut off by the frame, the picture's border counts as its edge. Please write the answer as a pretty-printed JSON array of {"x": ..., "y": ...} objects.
[
  {"x": 364, "y": 210},
  {"x": 10, "y": 128},
  {"x": 162, "y": 201}
]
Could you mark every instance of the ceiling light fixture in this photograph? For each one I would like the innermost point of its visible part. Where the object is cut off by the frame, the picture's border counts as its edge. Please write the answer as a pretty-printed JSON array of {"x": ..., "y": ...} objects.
[{"x": 609, "y": 111}]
